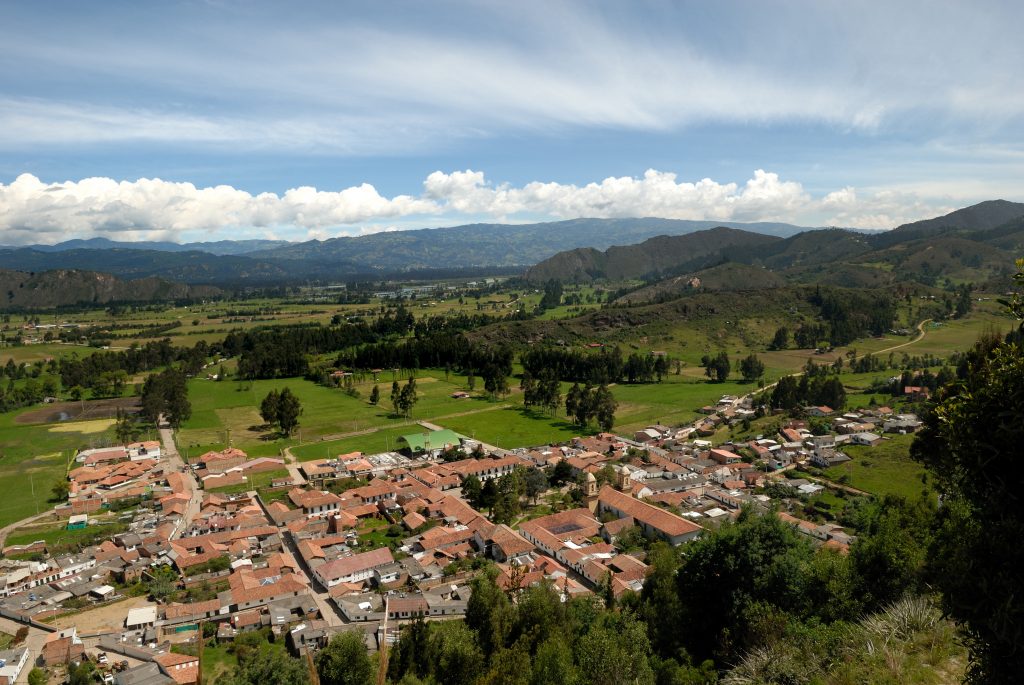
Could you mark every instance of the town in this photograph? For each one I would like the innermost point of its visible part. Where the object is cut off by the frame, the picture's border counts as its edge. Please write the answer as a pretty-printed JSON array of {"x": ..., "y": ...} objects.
[{"x": 369, "y": 542}]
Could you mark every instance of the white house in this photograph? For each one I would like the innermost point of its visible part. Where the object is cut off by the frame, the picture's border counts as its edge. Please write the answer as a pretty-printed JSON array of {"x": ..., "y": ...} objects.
[
  {"x": 353, "y": 569},
  {"x": 12, "y": 662}
]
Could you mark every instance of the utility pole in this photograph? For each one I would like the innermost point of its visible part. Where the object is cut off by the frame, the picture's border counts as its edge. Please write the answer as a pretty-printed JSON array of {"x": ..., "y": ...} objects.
[
  {"x": 314, "y": 677},
  {"x": 199, "y": 655},
  {"x": 382, "y": 668}
]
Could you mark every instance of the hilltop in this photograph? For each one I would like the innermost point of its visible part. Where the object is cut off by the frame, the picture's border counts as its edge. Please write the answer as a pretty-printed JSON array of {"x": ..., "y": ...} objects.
[{"x": 652, "y": 257}]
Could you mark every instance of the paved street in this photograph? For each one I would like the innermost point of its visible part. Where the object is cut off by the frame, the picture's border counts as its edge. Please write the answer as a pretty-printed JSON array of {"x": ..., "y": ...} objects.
[{"x": 173, "y": 462}]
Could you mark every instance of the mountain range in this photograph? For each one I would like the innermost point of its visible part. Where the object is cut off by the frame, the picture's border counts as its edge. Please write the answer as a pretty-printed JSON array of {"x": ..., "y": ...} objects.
[
  {"x": 375, "y": 256},
  {"x": 976, "y": 244}
]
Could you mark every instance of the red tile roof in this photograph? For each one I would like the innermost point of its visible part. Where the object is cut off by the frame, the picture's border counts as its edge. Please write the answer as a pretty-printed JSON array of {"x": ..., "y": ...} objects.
[
  {"x": 346, "y": 566},
  {"x": 659, "y": 519}
]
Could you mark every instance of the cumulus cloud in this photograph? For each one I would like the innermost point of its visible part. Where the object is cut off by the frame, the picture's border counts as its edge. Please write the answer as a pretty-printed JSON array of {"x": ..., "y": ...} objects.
[
  {"x": 155, "y": 207},
  {"x": 34, "y": 211},
  {"x": 764, "y": 197}
]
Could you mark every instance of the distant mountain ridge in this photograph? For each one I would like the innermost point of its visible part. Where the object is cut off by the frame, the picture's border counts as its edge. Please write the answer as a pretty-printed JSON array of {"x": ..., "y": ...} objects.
[
  {"x": 500, "y": 244},
  {"x": 218, "y": 247},
  {"x": 578, "y": 249},
  {"x": 378, "y": 255}
]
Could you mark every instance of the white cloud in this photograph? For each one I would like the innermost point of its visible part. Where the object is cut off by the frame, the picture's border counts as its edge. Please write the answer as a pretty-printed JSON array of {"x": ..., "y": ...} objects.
[
  {"x": 657, "y": 193},
  {"x": 147, "y": 209},
  {"x": 881, "y": 209}
]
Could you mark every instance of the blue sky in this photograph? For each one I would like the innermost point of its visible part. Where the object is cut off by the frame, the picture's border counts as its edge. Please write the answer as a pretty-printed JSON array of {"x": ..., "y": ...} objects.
[{"x": 222, "y": 119}]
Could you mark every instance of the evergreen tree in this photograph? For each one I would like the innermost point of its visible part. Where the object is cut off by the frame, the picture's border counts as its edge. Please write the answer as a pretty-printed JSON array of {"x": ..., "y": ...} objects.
[
  {"x": 407, "y": 398},
  {"x": 270, "y": 407},
  {"x": 375, "y": 395},
  {"x": 472, "y": 491},
  {"x": 971, "y": 442},
  {"x": 751, "y": 368},
  {"x": 781, "y": 339},
  {"x": 529, "y": 387},
  {"x": 572, "y": 400},
  {"x": 344, "y": 661},
  {"x": 288, "y": 411},
  {"x": 604, "y": 406},
  {"x": 166, "y": 394},
  {"x": 396, "y": 396}
]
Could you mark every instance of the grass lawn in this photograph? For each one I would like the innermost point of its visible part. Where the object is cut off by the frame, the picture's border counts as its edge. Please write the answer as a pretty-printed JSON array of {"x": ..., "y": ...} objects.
[
  {"x": 883, "y": 469},
  {"x": 373, "y": 534},
  {"x": 673, "y": 401},
  {"x": 514, "y": 426},
  {"x": 5, "y": 640},
  {"x": 383, "y": 440},
  {"x": 255, "y": 481}
]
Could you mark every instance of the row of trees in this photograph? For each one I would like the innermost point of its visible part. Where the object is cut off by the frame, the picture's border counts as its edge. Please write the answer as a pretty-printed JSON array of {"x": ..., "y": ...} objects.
[
  {"x": 443, "y": 350},
  {"x": 645, "y": 368},
  {"x": 282, "y": 352},
  {"x": 85, "y": 372}
]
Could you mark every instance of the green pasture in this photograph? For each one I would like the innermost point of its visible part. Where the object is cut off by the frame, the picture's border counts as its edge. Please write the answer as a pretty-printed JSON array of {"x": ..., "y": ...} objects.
[
  {"x": 220, "y": 408},
  {"x": 34, "y": 457},
  {"x": 883, "y": 469}
]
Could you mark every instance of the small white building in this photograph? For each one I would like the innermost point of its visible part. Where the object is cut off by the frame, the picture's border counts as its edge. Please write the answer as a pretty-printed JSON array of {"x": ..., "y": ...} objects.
[
  {"x": 103, "y": 592},
  {"x": 141, "y": 617}
]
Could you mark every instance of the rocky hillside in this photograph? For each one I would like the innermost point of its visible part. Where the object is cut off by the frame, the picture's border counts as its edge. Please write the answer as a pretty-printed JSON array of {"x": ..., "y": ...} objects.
[
  {"x": 728, "y": 276},
  {"x": 63, "y": 287}
]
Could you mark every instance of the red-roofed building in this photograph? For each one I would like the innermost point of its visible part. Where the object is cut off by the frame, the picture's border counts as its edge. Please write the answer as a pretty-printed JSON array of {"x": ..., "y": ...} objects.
[
  {"x": 352, "y": 569},
  {"x": 182, "y": 668},
  {"x": 653, "y": 521}
]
